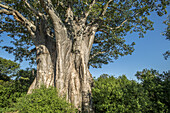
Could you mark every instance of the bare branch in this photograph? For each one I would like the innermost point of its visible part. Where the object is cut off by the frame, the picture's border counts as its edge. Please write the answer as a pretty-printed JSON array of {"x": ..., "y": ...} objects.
[
  {"x": 32, "y": 8},
  {"x": 121, "y": 24},
  {"x": 4, "y": 11},
  {"x": 5, "y": 7},
  {"x": 61, "y": 3},
  {"x": 90, "y": 8},
  {"x": 105, "y": 7},
  {"x": 115, "y": 28}
]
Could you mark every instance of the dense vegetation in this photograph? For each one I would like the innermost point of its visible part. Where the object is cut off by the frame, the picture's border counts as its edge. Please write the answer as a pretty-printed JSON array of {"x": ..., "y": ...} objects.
[
  {"x": 151, "y": 94},
  {"x": 66, "y": 37},
  {"x": 120, "y": 95},
  {"x": 14, "y": 82}
]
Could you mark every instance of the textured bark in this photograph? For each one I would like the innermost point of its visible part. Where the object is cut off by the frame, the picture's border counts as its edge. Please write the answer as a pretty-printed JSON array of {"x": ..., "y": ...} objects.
[
  {"x": 45, "y": 58},
  {"x": 62, "y": 60},
  {"x": 63, "y": 63},
  {"x": 71, "y": 77}
]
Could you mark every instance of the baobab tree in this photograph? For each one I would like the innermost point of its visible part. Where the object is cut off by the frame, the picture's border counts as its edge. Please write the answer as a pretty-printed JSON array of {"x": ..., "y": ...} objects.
[{"x": 69, "y": 36}]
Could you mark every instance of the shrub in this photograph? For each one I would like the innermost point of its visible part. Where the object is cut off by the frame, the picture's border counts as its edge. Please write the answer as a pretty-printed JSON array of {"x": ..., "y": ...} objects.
[
  {"x": 43, "y": 100},
  {"x": 9, "y": 94}
]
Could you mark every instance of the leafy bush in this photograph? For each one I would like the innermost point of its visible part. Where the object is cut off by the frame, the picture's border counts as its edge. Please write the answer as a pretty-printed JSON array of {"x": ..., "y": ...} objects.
[
  {"x": 43, "y": 100},
  {"x": 8, "y": 94}
]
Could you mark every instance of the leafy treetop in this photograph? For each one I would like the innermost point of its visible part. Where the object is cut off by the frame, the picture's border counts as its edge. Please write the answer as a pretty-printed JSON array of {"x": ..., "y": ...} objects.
[
  {"x": 115, "y": 19},
  {"x": 7, "y": 66}
]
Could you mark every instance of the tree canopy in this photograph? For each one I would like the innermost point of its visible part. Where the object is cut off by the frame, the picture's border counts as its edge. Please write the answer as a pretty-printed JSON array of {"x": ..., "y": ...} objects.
[
  {"x": 151, "y": 95},
  {"x": 7, "y": 67},
  {"x": 114, "y": 19}
]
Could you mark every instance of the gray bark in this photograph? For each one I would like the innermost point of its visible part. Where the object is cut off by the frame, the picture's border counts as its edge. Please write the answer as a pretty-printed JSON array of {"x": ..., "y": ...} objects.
[{"x": 63, "y": 63}]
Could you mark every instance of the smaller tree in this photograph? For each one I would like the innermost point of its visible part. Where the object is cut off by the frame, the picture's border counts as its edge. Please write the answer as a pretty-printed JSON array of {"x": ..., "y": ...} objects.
[
  {"x": 158, "y": 87},
  {"x": 7, "y": 67},
  {"x": 119, "y": 95}
]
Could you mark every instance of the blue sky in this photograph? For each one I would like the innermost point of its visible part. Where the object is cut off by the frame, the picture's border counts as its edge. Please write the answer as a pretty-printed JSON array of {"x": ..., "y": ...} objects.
[{"x": 148, "y": 53}]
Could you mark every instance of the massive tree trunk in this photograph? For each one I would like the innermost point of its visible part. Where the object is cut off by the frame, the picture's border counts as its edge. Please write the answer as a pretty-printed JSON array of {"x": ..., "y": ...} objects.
[
  {"x": 62, "y": 60},
  {"x": 67, "y": 72},
  {"x": 63, "y": 63}
]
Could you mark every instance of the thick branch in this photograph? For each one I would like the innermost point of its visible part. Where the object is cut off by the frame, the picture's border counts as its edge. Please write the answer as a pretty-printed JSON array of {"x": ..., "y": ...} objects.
[
  {"x": 92, "y": 31},
  {"x": 49, "y": 8},
  {"x": 19, "y": 18}
]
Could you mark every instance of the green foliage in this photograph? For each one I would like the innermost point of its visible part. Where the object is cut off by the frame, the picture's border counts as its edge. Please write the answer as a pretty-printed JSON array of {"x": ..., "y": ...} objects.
[
  {"x": 158, "y": 86},
  {"x": 43, "y": 100},
  {"x": 13, "y": 84},
  {"x": 120, "y": 18},
  {"x": 24, "y": 78},
  {"x": 120, "y": 95},
  {"x": 14, "y": 88},
  {"x": 8, "y": 94},
  {"x": 7, "y": 66}
]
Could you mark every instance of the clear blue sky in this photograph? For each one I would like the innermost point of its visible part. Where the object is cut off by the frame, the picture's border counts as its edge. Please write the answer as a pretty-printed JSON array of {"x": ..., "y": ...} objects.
[{"x": 148, "y": 53}]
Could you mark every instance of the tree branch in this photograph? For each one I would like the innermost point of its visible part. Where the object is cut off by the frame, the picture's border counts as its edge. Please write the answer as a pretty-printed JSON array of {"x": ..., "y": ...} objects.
[
  {"x": 121, "y": 24},
  {"x": 49, "y": 8},
  {"x": 5, "y": 7},
  {"x": 91, "y": 35},
  {"x": 90, "y": 8},
  {"x": 105, "y": 7},
  {"x": 115, "y": 28},
  {"x": 69, "y": 13},
  {"x": 61, "y": 3},
  {"x": 19, "y": 18},
  {"x": 98, "y": 53},
  {"x": 32, "y": 8},
  {"x": 102, "y": 13}
]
